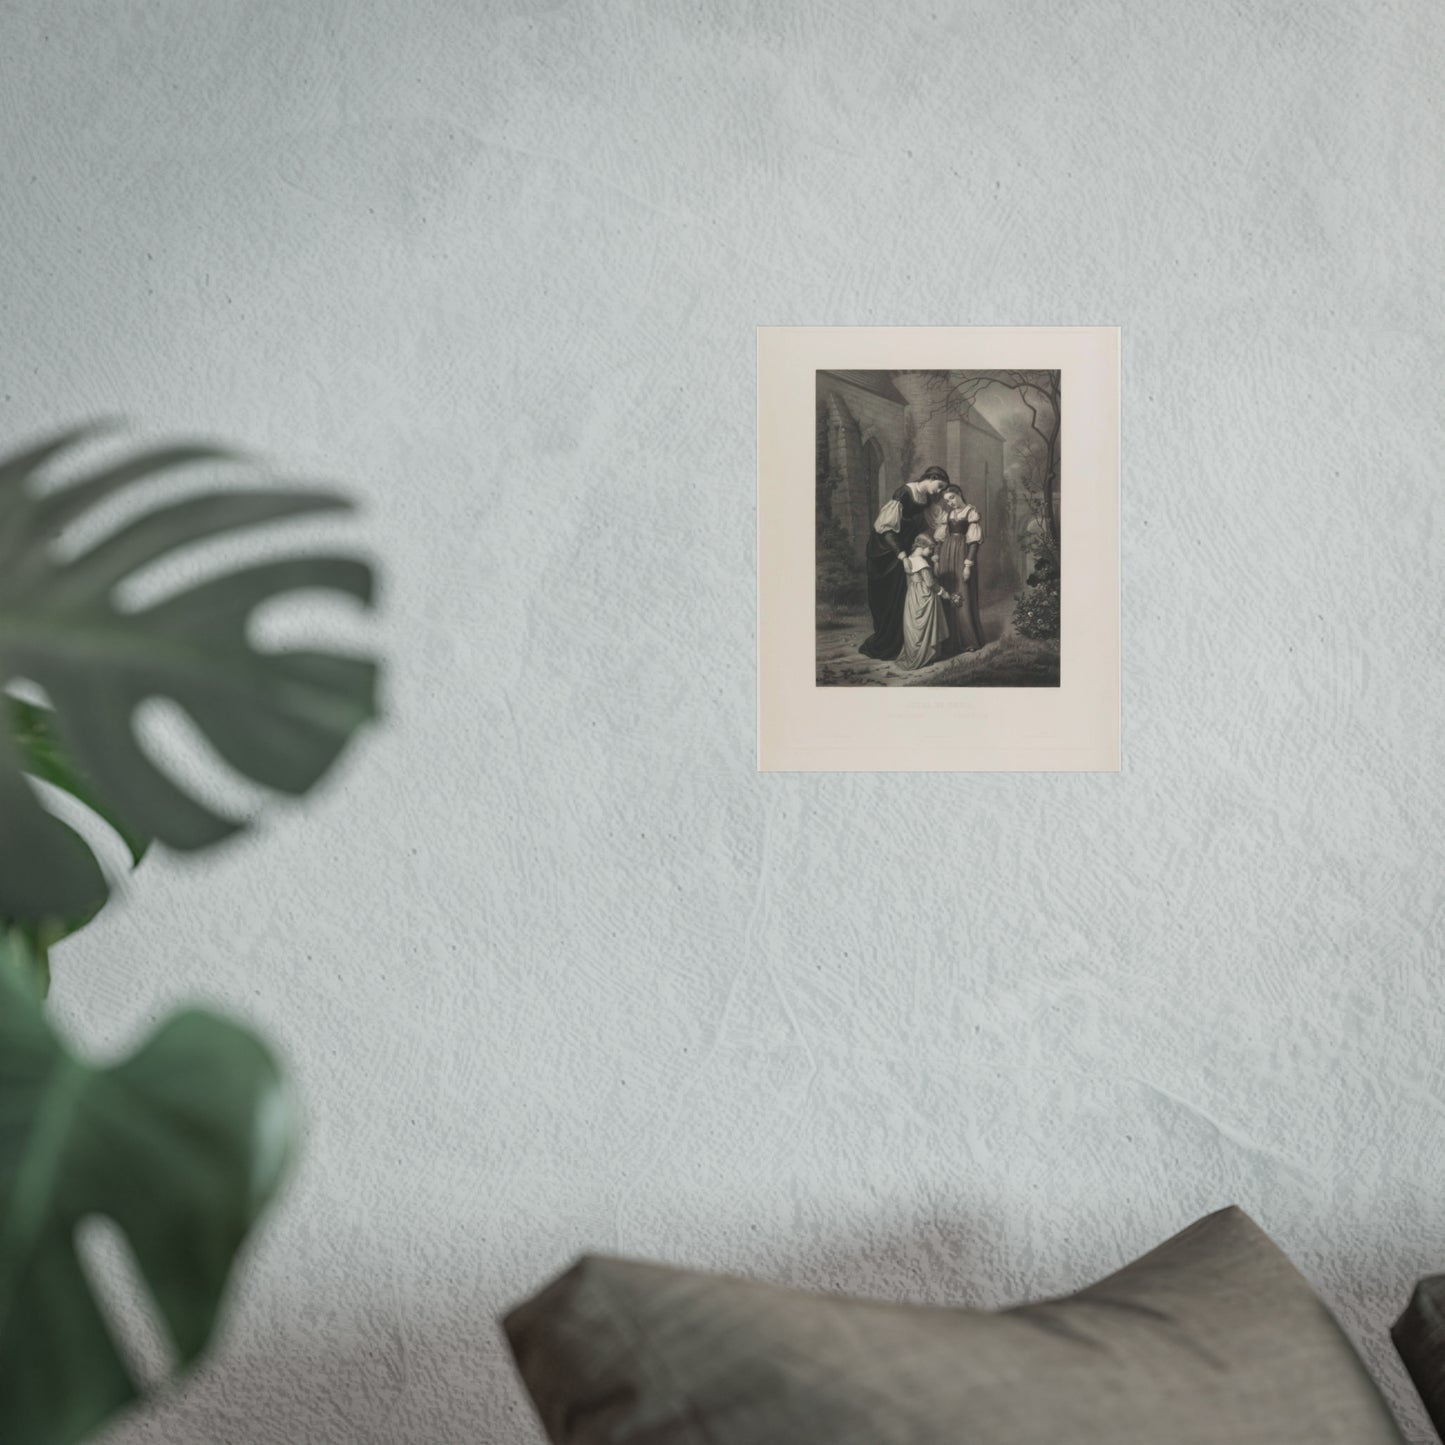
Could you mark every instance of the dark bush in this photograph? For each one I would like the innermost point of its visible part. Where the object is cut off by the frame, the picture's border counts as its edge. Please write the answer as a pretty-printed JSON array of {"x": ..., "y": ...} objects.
[{"x": 1036, "y": 609}]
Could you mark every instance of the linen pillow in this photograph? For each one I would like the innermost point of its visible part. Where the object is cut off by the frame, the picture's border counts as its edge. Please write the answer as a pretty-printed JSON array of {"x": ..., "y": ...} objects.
[
  {"x": 1419, "y": 1336},
  {"x": 1213, "y": 1337}
]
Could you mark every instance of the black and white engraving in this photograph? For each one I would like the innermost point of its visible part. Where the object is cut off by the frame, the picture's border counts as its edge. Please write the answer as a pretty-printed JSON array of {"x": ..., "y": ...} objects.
[{"x": 938, "y": 551}]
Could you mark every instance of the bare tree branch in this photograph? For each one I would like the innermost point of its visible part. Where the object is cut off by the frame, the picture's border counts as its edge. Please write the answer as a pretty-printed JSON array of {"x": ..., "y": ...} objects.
[{"x": 956, "y": 395}]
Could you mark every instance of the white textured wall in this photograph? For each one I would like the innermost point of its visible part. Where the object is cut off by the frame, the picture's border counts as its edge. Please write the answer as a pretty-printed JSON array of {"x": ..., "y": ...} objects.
[{"x": 555, "y": 969}]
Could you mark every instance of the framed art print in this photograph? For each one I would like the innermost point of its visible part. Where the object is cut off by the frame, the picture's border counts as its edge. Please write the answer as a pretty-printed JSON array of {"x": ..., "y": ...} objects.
[{"x": 938, "y": 548}]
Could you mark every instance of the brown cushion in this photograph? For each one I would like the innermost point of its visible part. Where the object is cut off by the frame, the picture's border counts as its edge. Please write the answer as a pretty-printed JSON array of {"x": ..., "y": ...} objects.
[
  {"x": 1419, "y": 1336},
  {"x": 1213, "y": 1337}
]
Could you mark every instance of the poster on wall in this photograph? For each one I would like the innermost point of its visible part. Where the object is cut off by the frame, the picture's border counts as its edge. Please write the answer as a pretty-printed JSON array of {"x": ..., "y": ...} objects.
[{"x": 938, "y": 549}]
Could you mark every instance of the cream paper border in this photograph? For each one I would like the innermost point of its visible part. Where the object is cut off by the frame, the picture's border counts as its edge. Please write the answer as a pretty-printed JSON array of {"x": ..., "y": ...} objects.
[{"x": 1074, "y": 727}]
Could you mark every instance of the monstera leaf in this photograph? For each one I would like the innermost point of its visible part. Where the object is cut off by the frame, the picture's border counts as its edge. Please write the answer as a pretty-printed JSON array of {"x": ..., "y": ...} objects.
[
  {"x": 181, "y": 1144},
  {"x": 34, "y": 731},
  {"x": 280, "y": 718}
]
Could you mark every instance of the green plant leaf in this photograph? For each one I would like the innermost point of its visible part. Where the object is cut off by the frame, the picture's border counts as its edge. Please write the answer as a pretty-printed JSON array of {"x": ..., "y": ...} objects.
[
  {"x": 26, "y": 958},
  {"x": 42, "y": 755},
  {"x": 38, "y": 738},
  {"x": 182, "y": 1145},
  {"x": 280, "y": 718}
]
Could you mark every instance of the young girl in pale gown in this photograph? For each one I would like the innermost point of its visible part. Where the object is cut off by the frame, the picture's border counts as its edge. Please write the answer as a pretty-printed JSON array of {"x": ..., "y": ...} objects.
[{"x": 925, "y": 621}]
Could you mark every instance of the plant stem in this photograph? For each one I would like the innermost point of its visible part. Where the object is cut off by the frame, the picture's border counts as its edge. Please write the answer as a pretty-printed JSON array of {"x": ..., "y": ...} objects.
[{"x": 24, "y": 952}]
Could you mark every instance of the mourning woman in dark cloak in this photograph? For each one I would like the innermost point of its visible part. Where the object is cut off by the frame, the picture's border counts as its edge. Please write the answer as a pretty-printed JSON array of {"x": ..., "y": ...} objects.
[{"x": 889, "y": 544}]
